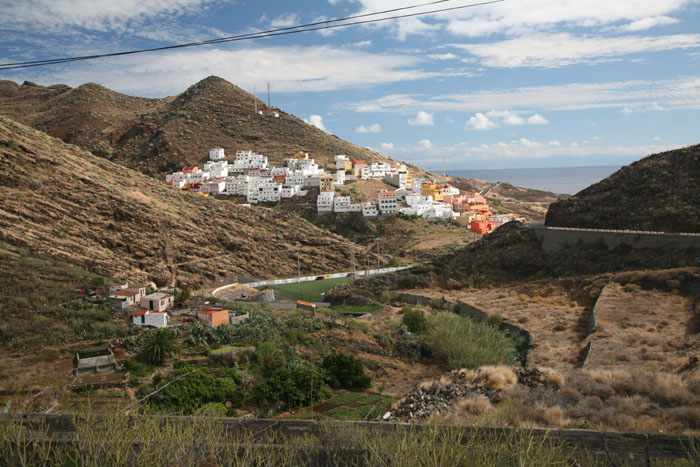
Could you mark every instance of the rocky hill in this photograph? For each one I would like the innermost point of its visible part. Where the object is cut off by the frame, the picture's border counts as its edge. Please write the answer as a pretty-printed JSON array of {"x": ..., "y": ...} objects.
[
  {"x": 157, "y": 136},
  {"x": 658, "y": 193},
  {"x": 64, "y": 203}
]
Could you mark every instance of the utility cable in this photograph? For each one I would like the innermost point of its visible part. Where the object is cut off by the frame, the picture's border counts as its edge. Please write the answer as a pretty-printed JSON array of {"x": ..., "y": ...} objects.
[{"x": 316, "y": 26}]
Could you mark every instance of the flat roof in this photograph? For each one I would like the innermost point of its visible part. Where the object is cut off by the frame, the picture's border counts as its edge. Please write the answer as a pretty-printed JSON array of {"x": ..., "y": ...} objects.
[{"x": 158, "y": 296}]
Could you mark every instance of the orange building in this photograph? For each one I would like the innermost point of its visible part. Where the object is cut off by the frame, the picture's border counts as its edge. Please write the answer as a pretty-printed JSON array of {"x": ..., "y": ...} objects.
[
  {"x": 481, "y": 226},
  {"x": 213, "y": 317},
  {"x": 190, "y": 170}
]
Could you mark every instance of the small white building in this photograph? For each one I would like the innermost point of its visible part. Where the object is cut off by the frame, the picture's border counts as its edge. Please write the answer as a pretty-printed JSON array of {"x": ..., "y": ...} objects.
[
  {"x": 342, "y": 162},
  {"x": 369, "y": 210},
  {"x": 158, "y": 319},
  {"x": 339, "y": 178},
  {"x": 157, "y": 302},
  {"x": 213, "y": 187},
  {"x": 324, "y": 202},
  {"x": 398, "y": 179},
  {"x": 343, "y": 204},
  {"x": 216, "y": 154},
  {"x": 247, "y": 160}
]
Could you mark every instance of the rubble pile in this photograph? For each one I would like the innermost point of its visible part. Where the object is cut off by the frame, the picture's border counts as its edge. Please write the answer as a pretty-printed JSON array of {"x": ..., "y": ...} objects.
[{"x": 443, "y": 395}]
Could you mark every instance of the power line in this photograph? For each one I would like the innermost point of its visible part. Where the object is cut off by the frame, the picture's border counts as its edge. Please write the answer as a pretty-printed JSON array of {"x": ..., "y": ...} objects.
[{"x": 316, "y": 26}]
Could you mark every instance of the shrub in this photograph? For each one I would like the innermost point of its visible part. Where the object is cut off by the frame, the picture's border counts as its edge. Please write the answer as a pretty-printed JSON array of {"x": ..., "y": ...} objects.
[
  {"x": 462, "y": 343},
  {"x": 295, "y": 386},
  {"x": 559, "y": 327},
  {"x": 345, "y": 371},
  {"x": 415, "y": 321}
]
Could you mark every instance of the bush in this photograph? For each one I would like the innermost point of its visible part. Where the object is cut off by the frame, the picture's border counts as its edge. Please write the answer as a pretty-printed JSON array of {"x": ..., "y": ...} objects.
[
  {"x": 196, "y": 389},
  {"x": 345, "y": 371},
  {"x": 462, "y": 343},
  {"x": 415, "y": 321},
  {"x": 295, "y": 386}
]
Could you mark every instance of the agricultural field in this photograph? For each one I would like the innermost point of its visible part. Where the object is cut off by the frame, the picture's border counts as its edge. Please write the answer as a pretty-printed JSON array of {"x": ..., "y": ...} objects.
[{"x": 308, "y": 291}]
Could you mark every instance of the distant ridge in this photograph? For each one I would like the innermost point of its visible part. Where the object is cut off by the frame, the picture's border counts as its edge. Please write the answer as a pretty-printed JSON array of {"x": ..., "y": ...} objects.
[{"x": 157, "y": 136}]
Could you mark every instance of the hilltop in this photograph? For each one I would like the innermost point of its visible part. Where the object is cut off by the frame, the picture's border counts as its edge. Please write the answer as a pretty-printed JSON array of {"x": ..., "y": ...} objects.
[
  {"x": 64, "y": 203},
  {"x": 658, "y": 193},
  {"x": 156, "y": 136}
]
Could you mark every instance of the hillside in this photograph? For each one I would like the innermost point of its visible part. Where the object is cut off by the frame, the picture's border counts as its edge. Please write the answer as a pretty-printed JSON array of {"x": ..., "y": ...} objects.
[
  {"x": 157, "y": 136},
  {"x": 658, "y": 193},
  {"x": 65, "y": 203}
]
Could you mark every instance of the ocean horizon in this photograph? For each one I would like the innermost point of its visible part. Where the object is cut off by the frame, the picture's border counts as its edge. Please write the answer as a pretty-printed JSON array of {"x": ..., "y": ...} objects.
[{"x": 563, "y": 180}]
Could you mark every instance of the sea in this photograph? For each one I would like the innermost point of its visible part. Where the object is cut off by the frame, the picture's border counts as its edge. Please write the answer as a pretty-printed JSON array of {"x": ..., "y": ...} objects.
[{"x": 564, "y": 180}]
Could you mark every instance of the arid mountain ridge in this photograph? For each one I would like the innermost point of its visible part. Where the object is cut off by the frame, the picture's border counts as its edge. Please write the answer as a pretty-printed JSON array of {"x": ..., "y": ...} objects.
[
  {"x": 65, "y": 203},
  {"x": 157, "y": 136},
  {"x": 658, "y": 193}
]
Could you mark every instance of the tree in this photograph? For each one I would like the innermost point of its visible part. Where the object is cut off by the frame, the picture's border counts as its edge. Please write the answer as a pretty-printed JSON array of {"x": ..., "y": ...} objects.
[
  {"x": 158, "y": 346},
  {"x": 345, "y": 371},
  {"x": 415, "y": 321}
]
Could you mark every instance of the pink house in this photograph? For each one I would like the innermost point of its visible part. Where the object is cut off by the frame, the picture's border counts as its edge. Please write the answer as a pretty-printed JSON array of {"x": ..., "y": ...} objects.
[{"x": 157, "y": 302}]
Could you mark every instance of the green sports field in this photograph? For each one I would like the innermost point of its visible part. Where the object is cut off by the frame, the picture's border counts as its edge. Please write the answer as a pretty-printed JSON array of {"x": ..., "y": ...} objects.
[{"x": 308, "y": 291}]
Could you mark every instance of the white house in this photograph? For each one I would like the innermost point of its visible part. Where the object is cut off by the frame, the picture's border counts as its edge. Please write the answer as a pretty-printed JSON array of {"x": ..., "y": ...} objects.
[
  {"x": 369, "y": 210},
  {"x": 339, "y": 177},
  {"x": 216, "y": 154},
  {"x": 213, "y": 187},
  {"x": 343, "y": 204},
  {"x": 398, "y": 179},
  {"x": 417, "y": 185},
  {"x": 158, "y": 319},
  {"x": 386, "y": 202},
  {"x": 342, "y": 162},
  {"x": 247, "y": 160},
  {"x": 324, "y": 202},
  {"x": 416, "y": 199}
]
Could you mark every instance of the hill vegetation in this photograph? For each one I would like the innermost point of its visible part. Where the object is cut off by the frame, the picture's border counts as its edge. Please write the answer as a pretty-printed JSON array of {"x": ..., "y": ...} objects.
[
  {"x": 69, "y": 205},
  {"x": 658, "y": 193},
  {"x": 157, "y": 136}
]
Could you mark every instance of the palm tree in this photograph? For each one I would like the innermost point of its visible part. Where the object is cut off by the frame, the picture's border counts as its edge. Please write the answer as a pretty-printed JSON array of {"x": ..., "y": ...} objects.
[{"x": 158, "y": 346}]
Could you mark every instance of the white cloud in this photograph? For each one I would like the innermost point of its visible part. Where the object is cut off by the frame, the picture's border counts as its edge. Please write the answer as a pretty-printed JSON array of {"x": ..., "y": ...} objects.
[
  {"x": 517, "y": 17},
  {"x": 423, "y": 119},
  {"x": 561, "y": 49},
  {"x": 554, "y": 143},
  {"x": 537, "y": 119},
  {"x": 317, "y": 121},
  {"x": 507, "y": 117},
  {"x": 480, "y": 122},
  {"x": 648, "y": 23},
  {"x": 642, "y": 107},
  {"x": 574, "y": 144},
  {"x": 656, "y": 138},
  {"x": 445, "y": 56},
  {"x": 289, "y": 68},
  {"x": 425, "y": 143},
  {"x": 66, "y": 15},
  {"x": 284, "y": 21},
  {"x": 375, "y": 128},
  {"x": 529, "y": 144},
  {"x": 670, "y": 94},
  {"x": 387, "y": 146}
]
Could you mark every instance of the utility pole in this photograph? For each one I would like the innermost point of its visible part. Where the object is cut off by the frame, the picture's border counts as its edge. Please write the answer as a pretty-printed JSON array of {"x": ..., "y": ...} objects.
[
  {"x": 298, "y": 245},
  {"x": 377, "y": 243},
  {"x": 269, "y": 107}
]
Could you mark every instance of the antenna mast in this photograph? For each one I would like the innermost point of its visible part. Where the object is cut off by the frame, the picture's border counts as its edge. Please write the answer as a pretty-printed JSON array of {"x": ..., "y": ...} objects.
[{"x": 269, "y": 107}]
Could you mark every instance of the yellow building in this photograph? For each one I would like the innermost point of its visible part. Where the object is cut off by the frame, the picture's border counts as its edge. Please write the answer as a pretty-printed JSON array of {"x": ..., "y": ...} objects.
[
  {"x": 325, "y": 183},
  {"x": 301, "y": 155},
  {"x": 432, "y": 189}
]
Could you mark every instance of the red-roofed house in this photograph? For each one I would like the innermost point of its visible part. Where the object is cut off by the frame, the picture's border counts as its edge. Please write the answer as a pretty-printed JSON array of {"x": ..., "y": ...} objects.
[
  {"x": 213, "y": 317},
  {"x": 158, "y": 319}
]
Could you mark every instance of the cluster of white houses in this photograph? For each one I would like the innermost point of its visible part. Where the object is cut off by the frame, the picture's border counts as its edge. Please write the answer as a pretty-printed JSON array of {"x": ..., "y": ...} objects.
[{"x": 250, "y": 175}]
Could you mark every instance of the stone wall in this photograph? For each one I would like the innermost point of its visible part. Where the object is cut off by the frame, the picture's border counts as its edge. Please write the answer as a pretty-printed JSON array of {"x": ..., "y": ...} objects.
[
  {"x": 618, "y": 448},
  {"x": 554, "y": 238}
]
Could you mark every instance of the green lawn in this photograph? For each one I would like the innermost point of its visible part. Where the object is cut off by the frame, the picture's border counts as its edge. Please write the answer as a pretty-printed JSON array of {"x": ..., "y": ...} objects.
[{"x": 309, "y": 291}]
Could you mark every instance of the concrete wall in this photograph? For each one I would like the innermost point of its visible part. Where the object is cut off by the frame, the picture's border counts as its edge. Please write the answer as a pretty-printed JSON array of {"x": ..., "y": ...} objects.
[{"x": 554, "y": 238}]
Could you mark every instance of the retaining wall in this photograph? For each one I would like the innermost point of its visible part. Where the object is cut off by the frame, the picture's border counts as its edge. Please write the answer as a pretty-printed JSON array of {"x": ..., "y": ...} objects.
[
  {"x": 622, "y": 448},
  {"x": 554, "y": 238}
]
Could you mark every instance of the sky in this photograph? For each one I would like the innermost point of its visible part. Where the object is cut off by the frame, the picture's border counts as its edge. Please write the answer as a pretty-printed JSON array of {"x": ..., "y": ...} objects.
[{"x": 515, "y": 84}]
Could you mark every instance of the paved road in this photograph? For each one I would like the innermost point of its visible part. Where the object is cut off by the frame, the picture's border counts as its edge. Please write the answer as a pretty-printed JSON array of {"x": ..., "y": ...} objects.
[
  {"x": 294, "y": 280},
  {"x": 486, "y": 190}
]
